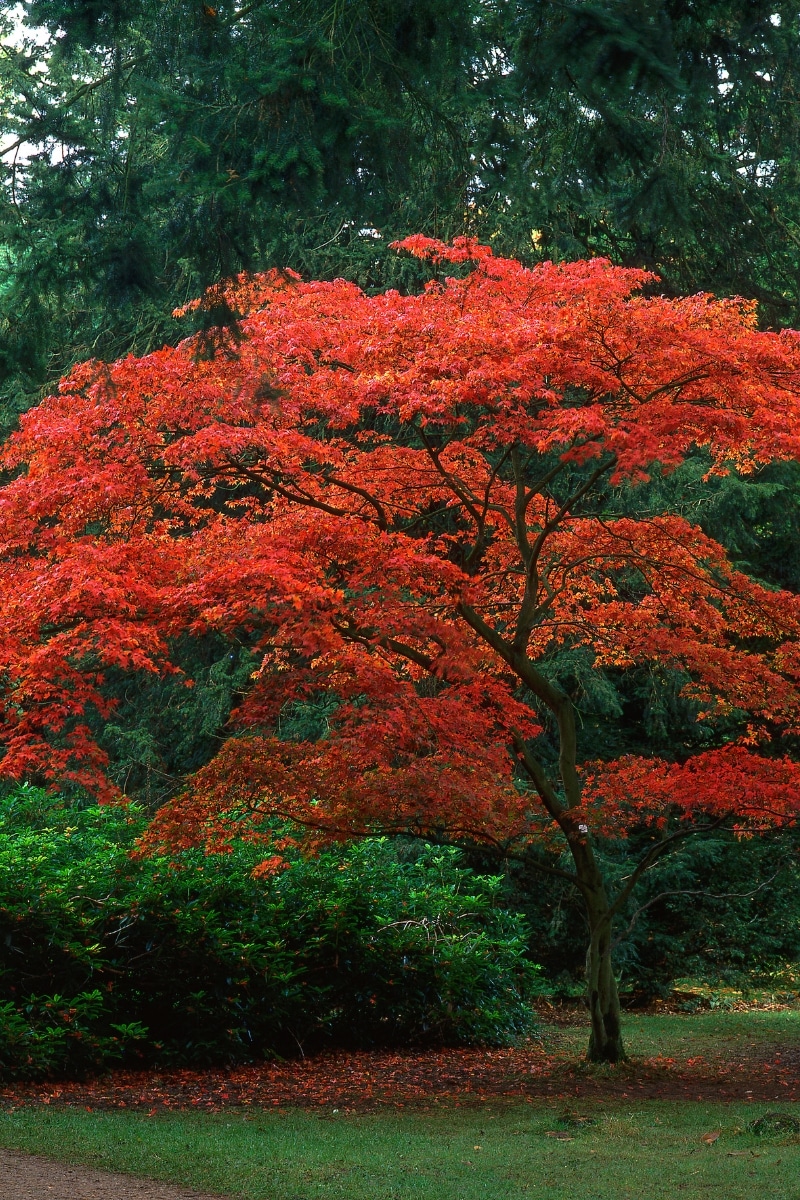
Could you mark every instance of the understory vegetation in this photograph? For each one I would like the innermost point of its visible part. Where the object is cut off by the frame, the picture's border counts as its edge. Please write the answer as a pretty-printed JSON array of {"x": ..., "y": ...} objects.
[
  {"x": 110, "y": 959},
  {"x": 106, "y": 958}
]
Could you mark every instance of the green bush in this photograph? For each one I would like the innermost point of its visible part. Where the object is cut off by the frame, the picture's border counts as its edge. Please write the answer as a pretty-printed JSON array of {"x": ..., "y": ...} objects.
[
  {"x": 196, "y": 961},
  {"x": 50, "y": 1035}
]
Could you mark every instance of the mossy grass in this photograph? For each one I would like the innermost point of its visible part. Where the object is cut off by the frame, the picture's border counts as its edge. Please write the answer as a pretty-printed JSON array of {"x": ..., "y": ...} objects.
[
  {"x": 715, "y": 1033},
  {"x": 716, "y": 1036},
  {"x": 492, "y": 1152}
]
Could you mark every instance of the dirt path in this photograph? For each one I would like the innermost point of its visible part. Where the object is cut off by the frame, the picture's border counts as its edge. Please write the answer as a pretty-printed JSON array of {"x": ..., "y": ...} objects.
[{"x": 26, "y": 1177}]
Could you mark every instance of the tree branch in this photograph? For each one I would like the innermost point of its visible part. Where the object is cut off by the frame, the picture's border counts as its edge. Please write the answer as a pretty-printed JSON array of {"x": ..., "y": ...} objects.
[
  {"x": 653, "y": 854},
  {"x": 683, "y": 892},
  {"x": 538, "y": 777}
]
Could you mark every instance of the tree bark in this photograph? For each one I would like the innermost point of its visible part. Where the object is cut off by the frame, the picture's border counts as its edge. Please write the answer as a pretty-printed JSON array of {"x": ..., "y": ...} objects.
[
  {"x": 605, "y": 1039},
  {"x": 602, "y": 995}
]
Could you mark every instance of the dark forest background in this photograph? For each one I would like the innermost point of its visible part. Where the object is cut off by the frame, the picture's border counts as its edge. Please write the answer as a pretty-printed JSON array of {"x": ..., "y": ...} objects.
[{"x": 154, "y": 146}]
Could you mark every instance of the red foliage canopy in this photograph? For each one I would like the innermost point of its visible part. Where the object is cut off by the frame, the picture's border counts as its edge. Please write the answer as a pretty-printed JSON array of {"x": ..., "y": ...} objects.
[{"x": 393, "y": 498}]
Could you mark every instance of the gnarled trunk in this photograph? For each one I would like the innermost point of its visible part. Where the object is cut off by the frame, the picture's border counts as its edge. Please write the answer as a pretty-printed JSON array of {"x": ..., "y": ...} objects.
[
  {"x": 602, "y": 995},
  {"x": 605, "y": 1039}
]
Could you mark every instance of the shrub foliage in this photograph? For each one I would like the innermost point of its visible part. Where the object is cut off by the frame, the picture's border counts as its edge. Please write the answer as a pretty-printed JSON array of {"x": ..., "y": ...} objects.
[{"x": 106, "y": 958}]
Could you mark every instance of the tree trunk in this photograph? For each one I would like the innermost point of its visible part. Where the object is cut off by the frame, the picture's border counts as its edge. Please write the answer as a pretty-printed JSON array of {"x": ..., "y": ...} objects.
[
  {"x": 602, "y": 996},
  {"x": 605, "y": 1039}
]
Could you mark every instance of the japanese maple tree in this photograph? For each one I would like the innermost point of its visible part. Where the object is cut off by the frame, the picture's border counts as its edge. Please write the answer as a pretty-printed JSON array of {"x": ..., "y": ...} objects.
[{"x": 401, "y": 502}]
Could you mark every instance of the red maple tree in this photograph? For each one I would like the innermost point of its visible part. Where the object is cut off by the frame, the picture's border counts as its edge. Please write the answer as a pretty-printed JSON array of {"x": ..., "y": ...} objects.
[{"x": 396, "y": 500}]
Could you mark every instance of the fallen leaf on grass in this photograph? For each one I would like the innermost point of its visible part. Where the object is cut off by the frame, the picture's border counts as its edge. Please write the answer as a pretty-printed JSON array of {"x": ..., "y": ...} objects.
[
  {"x": 710, "y": 1138},
  {"x": 367, "y": 1080},
  {"x": 572, "y": 1118}
]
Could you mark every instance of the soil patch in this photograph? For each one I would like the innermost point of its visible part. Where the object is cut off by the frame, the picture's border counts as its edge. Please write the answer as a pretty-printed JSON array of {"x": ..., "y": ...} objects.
[{"x": 27, "y": 1177}]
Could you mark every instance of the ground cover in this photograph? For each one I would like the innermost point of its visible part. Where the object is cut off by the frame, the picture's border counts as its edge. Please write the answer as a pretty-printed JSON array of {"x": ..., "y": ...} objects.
[
  {"x": 658, "y": 1149},
  {"x": 535, "y": 1121},
  {"x": 740, "y": 1055}
]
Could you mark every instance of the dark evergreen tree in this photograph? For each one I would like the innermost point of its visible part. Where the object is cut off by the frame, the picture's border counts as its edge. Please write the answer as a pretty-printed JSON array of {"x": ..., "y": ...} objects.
[
  {"x": 665, "y": 134},
  {"x": 152, "y": 146},
  {"x": 164, "y": 145}
]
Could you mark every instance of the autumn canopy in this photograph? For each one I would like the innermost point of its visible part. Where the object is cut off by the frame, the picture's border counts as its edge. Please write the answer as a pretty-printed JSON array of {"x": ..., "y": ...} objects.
[{"x": 395, "y": 500}]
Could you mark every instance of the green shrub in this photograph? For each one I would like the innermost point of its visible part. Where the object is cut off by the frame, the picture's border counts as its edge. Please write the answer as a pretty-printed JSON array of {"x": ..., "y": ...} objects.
[
  {"x": 196, "y": 961},
  {"x": 50, "y": 1035}
]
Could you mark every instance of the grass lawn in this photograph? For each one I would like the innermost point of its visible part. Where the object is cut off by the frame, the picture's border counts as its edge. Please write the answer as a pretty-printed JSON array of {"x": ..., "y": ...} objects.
[
  {"x": 710, "y": 1034},
  {"x": 651, "y": 1150},
  {"x": 644, "y": 1149}
]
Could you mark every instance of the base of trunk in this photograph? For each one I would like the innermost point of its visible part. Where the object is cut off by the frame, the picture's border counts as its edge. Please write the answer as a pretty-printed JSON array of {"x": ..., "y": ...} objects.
[
  {"x": 605, "y": 1041},
  {"x": 606, "y": 1048}
]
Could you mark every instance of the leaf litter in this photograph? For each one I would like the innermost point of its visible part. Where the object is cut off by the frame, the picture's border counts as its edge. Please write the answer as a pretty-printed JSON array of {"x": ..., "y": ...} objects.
[{"x": 369, "y": 1080}]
